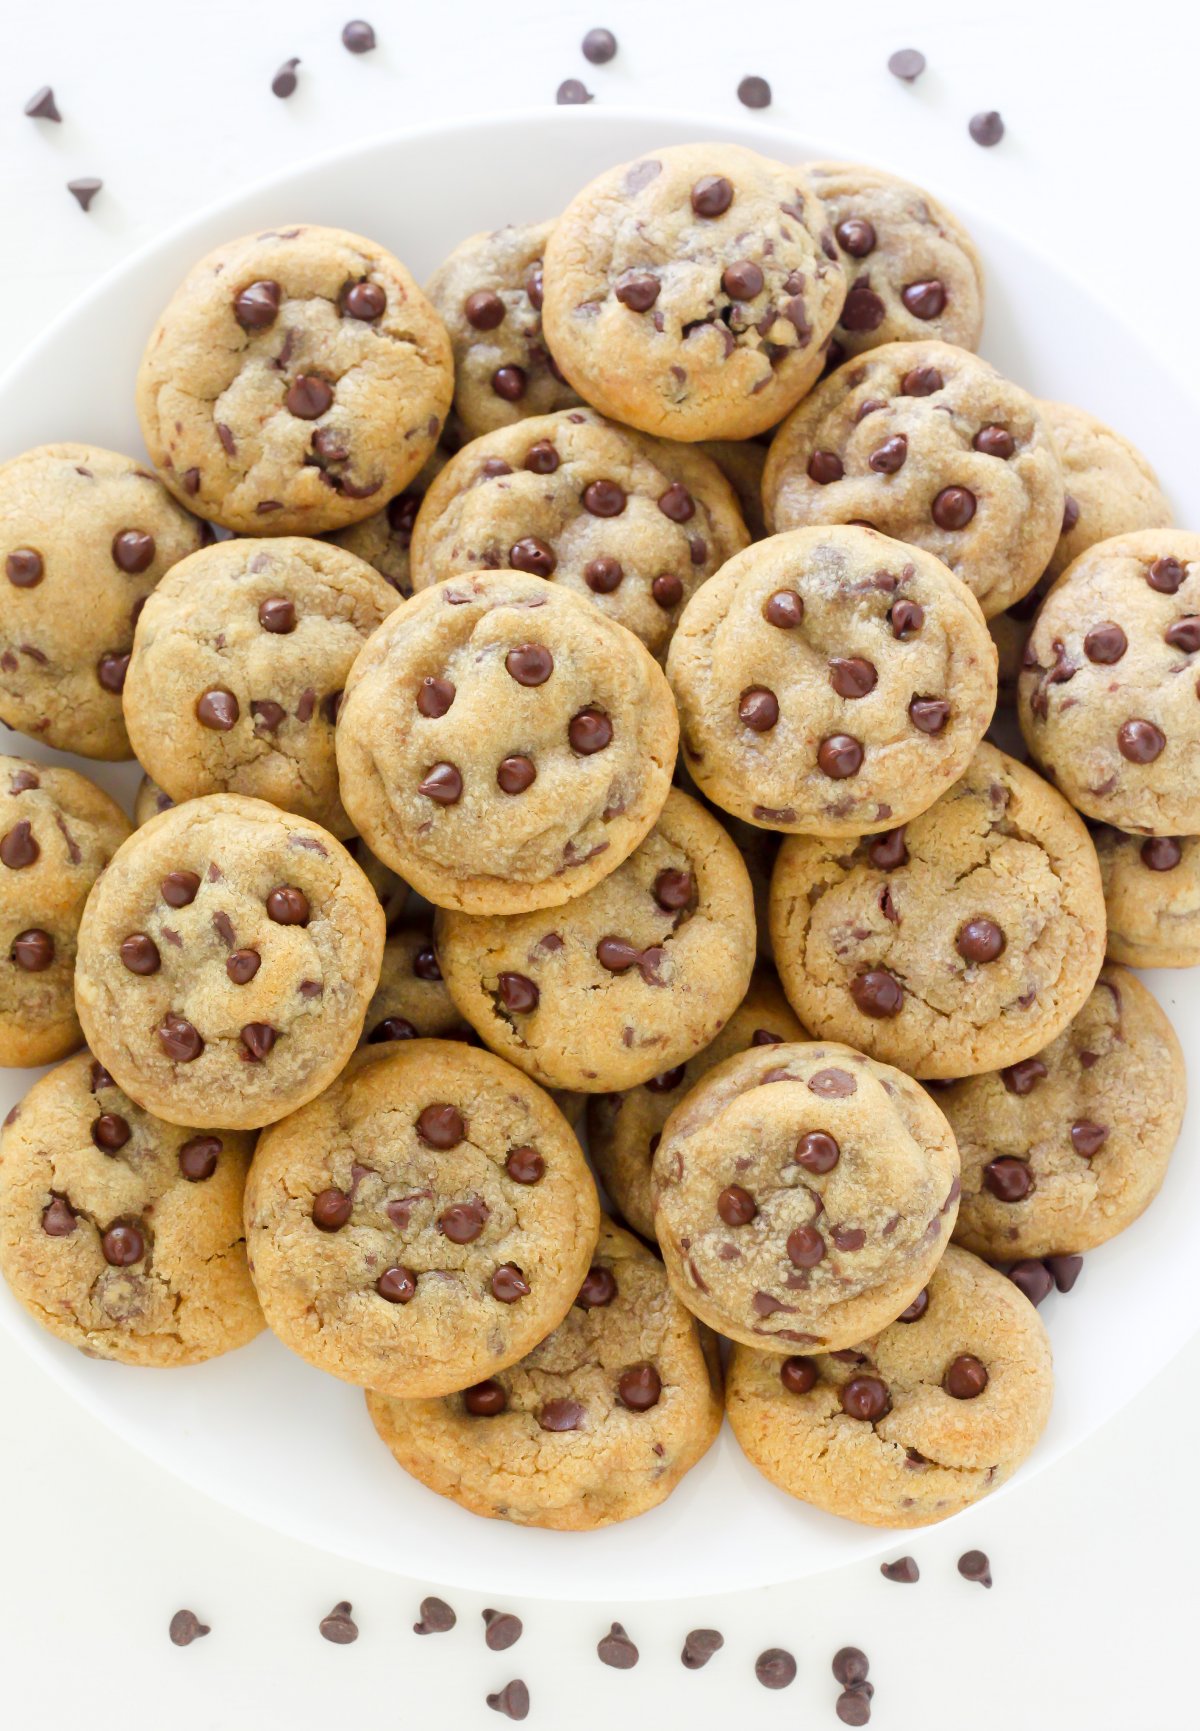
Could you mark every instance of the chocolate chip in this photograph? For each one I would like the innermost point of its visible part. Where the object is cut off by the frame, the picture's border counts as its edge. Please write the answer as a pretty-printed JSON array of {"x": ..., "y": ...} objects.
[
  {"x": 358, "y": 36},
  {"x": 1105, "y": 644},
  {"x": 994, "y": 442},
  {"x": 288, "y": 906},
  {"x": 974, "y": 1566},
  {"x": 921, "y": 382},
  {"x": 24, "y": 568},
  {"x": 877, "y": 993},
  {"x": 178, "y": 889},
  {"x": 123, "y": 1246},
  {"x": 617, "y": 1650},
  {"x": 888, "y": 458},
  {"x": 736, "y": 1206},
  {"x": 832, "y": 1084},
  {"x": 42, "y": 106},
  {"x": 258, "y": 1038},
  {"x": 133, "y": 551},
  {"x": 667, "y": 589},
  {"x": 924, "y": 300},
  {"x": 986, "y": 128},
  {"x": 798, "y": 1375},
  {"x": 856, "y": 236},
  {"x": 1032, "y": 1278},
  {"x": 589, "y": 731},
  {"x": 906, "y": 63},
  {"x": 1140, "y": 741},
  {"x": 441, "y": 1126},
  {"x": 501, "y": 1630},
  {"x": 754, "y": 92},
  {"x": 485, "y": 1399},
  {"x": 668, "y": 1081},
  {"x": 509, "y": 1284},
  {"x": 392, "y": 1028},
  {"x": 242, "y": 966},
  {"x": 1166, "y": 575},
  {"x": 866, "y": 1398},
  {"x": 443, "y": 784},
  {"x": 784, "y": 609},
  {"x": 525, "y": 1165},
  {"x": 533, "y": 555},
  {"x": 966, "y": 1377},
  {"x": 853, "y": 1706},
  {"x": 1161, "y": 853},
  {"x": 742, "y": 280},
  {"x": 331, "y": 1209},
  {"x": 979, "y": 940},
  {"x": 639, "y": 1388},
  {"x": 561, "y": 1415},
  {"x": 516, "y": 774},
  {"x": 484, "y": 310},
  {"x": 437, "y": 1618},
  {"x": 517, "y": 993},
  {"x": 110, "y": 1131},
  {"x": 284, "y": 82},
  {"x": 198, "y": 1158},
  {"x": 58, "y": 1218},
  {"x": 599, "y": 47},
  {"x": 850, "y": 1665},
  {"x": 1087, "y": 1137},
  {"x": 617, "y": 955},
  {"x": 917, "y": 1308},
  {"x": 541, "y": 458},
  {"x": 1008, "y": 1179},
  {"x": 308, "y": 397},
  {"x": 805, "y": 1247},
  {"x": 953, "y": 508},
  {"x": 186, "y": 1627},
  {"x": 529, "y": 664},
  {"x": 33, "y": 950},
  {"x": 677, "y": 503},
  {"x": 18, "y": 848},
  {"x": 775, "y": 1668},
  {"x": 435, "y": 696},
  {"x": 603, "y": 575},
  {"x": 257, "y": 306},
  {"x": 1184, "y": 634},
  {"x": 268, "y": 717},
  {"x": 277, "y": 614},
  {"x": 712, "y": 195},
  {"x": 599, "y": 1288},
  {"x": 840, "y": 756},
  {"x": 817, "y": 1151},
  {"x": 218, "y": 709},
  {"x": 512, "y": 1700},
  {"x": 700, "y": 1644},
  {"x": 339, "y": 1626},
  {"x": 571, "y": 93},
  {"x": 604, "y": 499},
  {"x": 178, "y": 1039},
  {"x": 84, "y": 191},
  {"x": 825, "y": 467},
  {"x": 1065, "y": 1270},
  {"x": 1070, "y": 514},
  {"x": 364, "y": 300},
  {"x": 758, "y": 709},
  {"x": 888, "y": 852},
  {"x": 1023, "y": 1077},
  {"x": 111, "y": 670},
  {"x": 852, "y": 677},
  {"x": 637, "y": 290},
  {"x": 673, "y": 889}
]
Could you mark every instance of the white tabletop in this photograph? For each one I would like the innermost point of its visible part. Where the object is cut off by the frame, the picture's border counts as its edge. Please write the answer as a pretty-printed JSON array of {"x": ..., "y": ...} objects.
[{"x": 1096, "y": 1592}]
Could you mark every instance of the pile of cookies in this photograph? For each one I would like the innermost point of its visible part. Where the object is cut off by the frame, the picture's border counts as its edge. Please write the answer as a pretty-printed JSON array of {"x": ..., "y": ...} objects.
[{"x": 646, "y": 596}]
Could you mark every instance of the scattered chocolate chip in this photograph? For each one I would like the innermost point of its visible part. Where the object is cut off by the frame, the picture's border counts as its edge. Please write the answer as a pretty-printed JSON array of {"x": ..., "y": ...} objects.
[
  {"x": 775, "y": 1668},
  {"x": 754, "y": 92},
  {"x": 917, "y": 1308},
  {"x": 1184, "y": 634},
  {"x": 284, "y": 82},
  {"x": 1087, "y": 1137},
  {"x": 366, "y": 301},
  {"x": 599, "y": 1288},
  {"x": 700, "y": 1644},
  {"x": 888, "y": 852},
  {"x": 186, "y": 1627},
  {"x": 308, "y": 397},
  {"x": 485, "y": 1399},
  {"x": 501, "y": 1630},
  {"x": 533, "y": 555},
  {"x": 84, "y": 191},
  {"x": 1008, "y": 1179},
  {"x": 889, "y": 458},
  {"x": 924, "y": 300},
  {"x": 904, "y": 1570},
  {"x": 980, "y": 940},
  {"x": 515, "y": 774},
  {"x": 358, "y": 36},
  {"x": 798, "y": 1375},
  {"x": 132, "y": 551},
  {"x": 840, "y": 756},
  {"x": 525, "y": 1166},
  {"x": 1065, "y": 1270},
  {"x": 392, "y": 1028},
  {"x": 256, "y": 307},
  {"x": 33, "y": 951},
  {"x": 139, "y": 953},
  {"x": 603, "y": 575},
  {"x": 1032, "y": 1278},
  {"x": 110, "y": 1132},
  {"x": 331, "y": 1209},
  {"x": 111, "y": 670},
  {"x": 637, "y": 290},
  {"x": 616, "y": 1649},
  {"x": 288, "y": 906},
  {"x": 42, "y": 106},
  {"x": 856, "y": 236},
  {"x": 673, "y": 889},
  {"x": 974, "y": 1566},
  {"x": 986, "y": 128},
  {"x": 907, "y": 64},
  {"x": 805, "y": 1247},
  {"x": 667, "y": 589},
  {"x": 742, "y": 280},
  {"x": 817, "y": 1151},
  {"x": 853, "y": 1706},
  {"x": 604, "y": 499},
  {"x": 832, "y": 1084},
  {"x": 436, "y": 1617},
  {"x": 599, "y": 47},
  {"x": 509, "y": 383},
  {"x": 529, "y": 664},
  {"x": 1105, "y": 644},
  {"x": 339, "y": 1626},
  {"x": 58, "y": 1219},
  {"x": 677, "y": 503},
  {"x": 484, "y": 310},
  {"x": 198, "y": 1158},
  {"x": 277, "y": 614},
  {"x": 639, "y": 1388},
  {"x": 512, "y": 1700},
  {"x": 571, "y": 92},
  {"x": 850, "y": 1665},
  {"x": 995, "y": 442},
  {"x": 259, "y": 1039}
]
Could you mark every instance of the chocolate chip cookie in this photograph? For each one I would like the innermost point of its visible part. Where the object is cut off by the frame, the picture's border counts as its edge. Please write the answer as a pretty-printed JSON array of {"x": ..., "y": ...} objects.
[
  {"x": 912, "y": 267},
  {"x": 1063, "y": 1151},
  {"x": 57, "y": 833},
  {"x": 385, "y": 539},
  {"x": 964, "y": 941},
  {"x": 411, "y": 1001},
  {"x": 634, "y": 977},
  {"x": 690, "y": 293},
  {"x": 226, "y": 960},
  {"x": 502, "y": 745},
  {"x": 238, "y": 666},
  {"x": 625, "y": 1129},
  {"x": 632, "y": 524},
  {"x": 423, "y": 1224},
  {"x": 929, "y": 444},
  {"x": 803, "y": 1195},
  {"x": 1108, "y": 697},
  {"x": 1111, "y": 490},
  {"x": 488, "y": 294},
  {"x": 917, "y": 1423},
  {"x": 1152, "y": 897},
  {"x": 296, "y": 379},
  {"x": 148, "y": 801},
  {"x": 119, "y": 1233},
  {"x": 742, "y": 462},
  {"x": 85, "y": 535},
  {"x": 597, "y": 1424},
  {"x": 831, "y": 682}
]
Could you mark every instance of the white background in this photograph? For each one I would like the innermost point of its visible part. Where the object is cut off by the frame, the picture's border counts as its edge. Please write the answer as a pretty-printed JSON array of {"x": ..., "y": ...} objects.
[{"x": 1092, "y": 1618}]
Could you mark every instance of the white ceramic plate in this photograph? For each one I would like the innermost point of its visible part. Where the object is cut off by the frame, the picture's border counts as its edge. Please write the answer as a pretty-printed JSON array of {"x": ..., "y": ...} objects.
[{"x": 264, "y": 1432}]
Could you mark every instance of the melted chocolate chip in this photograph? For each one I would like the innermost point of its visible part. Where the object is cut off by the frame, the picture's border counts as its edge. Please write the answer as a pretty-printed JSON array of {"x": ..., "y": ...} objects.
[
  {"x": 817, "y": 1151},
  {"x": 1023, "y": 1077},
  {"x": 798, "y": 1375},
  {"x": 1105, "y": 644},
  {"x": 441, "y": 1126},
  {"x": 1140, "y": 741},
  {"x": 889, "y": 458},
  {"x": 485, "y": 1399},
  {"x": 33, "y": 950},
  {"x": 966, "y": 1377},
  {"x": 825, "y": 467},
  {"x": 979, "y": 940},
  {"x": 589, "y": 731},
  {"x": 866, "y": 1398},
  {"x": 218, "y": 709},
  {"x": 639, "y": 1388},
  {"x": 953, "y": 508},
  {"x": 198, "y": 1158},
  {"x": 179, "y": 1040},
  {"x": 805, "y": 1247},
  {"x": 784, "y": 609},
  {"x": 1008, "y": 1179},
  {"x": 257, "y": 306},
  {"x": 529, "y": 664},
  {"x": 599, "y": 1288},
  {"x": 508, "y": 1284},
  {"x": 712, "y": 195},
  {"x": 443, "y": 784},
  {"x": 852, "y": 676},
  {"x": 840, "y": 756},
  {"x": 758, "y": 709},
  {"x": 736, "y": 1206}
]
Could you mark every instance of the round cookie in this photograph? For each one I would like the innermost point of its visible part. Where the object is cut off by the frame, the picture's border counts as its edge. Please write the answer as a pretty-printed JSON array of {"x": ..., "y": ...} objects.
[
  {"x": 488, "y": 294},
  {"x": 424, "y": 1223},
  {"x": 929, "y": 444},
  {"x": 597, "y": 1424},
  {"x": 900, "y": 1433},
  {"x": 965, "y": 941},
  {"x": 912, "y": 267},
  {"x": 625, "y": 1129},
  {"x": 85, "y": 535},
  {"x": 803, "y": 1195},
  {"x": 1108, "y": 691},
  {"x": 226, "y": 960},
  {"x": 119, "y": 1233},
  {"x": 149, "y": 801},
  {"x": 742, "y": 462},
  {"x": 411, "y": 1001},
  {"x": 831, "y": 682},
  {"x": 690, "y": 293},
  {"x": 295, "y": 378},
  {"x": 238, "y": 666},
  {"x": 383, "y": 541},
  {"x": 1111, "y": 490},
  {"x": 634, "y": 977},
  {"x": 1152, "y": 897},
  {"x": 57, "y": 833},
  {"x": 1065, "y": 1150},
  {"x": 502, "y": 745},
  {"x": 632, "y": 524}
]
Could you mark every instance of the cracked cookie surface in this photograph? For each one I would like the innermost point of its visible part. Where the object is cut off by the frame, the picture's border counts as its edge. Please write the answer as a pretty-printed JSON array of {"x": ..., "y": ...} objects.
[
  {"x": 238, "y": 666},
  {"x": 226, "y": 960},
  {"x": 634, "y": 976},
  {"x": 920, "y": 1421},
  {"x": 297, "y": 378},
  {"x": 690, "y": 293},
  {"x": 1152, "y": 898},
  {"x": 632, "y": 524},
  {"x": 1063, "y": 1151},
  {"x": 1109, "y": 695},
  {"x": 597, "y": 1424},
  {"x": 831, "y": 681},
  {"x": 57, "y": 833},
  {"x": 927, "y": 443},
  {"x": 85, "y": 534},
  {"x": 803, "y": 1194},
  {"x": 120, "y": 1233},
  {"x": 963, "y": 942},
  {"x": 423, "y": 1223},
  {"x": 502, "y": 745}
]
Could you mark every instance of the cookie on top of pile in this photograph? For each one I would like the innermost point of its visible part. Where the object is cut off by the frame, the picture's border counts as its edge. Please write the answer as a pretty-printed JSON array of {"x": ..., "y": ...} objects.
[{"x": 646, "y": 597}]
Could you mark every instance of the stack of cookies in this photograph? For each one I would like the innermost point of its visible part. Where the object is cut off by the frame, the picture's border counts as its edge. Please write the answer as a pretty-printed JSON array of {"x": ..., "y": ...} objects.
[{"x": 585, "y": 719}]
